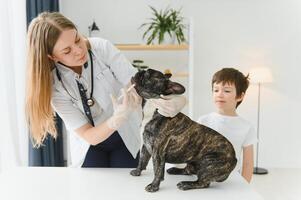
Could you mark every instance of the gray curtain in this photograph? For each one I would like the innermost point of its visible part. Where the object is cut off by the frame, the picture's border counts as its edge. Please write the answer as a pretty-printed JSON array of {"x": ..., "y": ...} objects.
[
  {"x": 51, "y": 153},
  {"x": 35, "y": 7}
]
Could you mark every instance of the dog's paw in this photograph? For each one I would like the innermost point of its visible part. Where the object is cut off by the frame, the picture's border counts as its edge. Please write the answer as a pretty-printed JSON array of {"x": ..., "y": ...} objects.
[
  {"x": 187, "y": 185},
  {"x": 151, "y": 188},
  {"x": 175, "y": 171},
  {"x": 135, "y": 172},
  {"x": 184, "y": 185}
]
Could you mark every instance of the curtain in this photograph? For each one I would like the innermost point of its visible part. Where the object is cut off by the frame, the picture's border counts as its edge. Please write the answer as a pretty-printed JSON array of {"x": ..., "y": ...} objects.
[
  {"x": 13, "y": 134},
  {"x": 34, "y": 7},
  {"x": 51, "y": 153}
]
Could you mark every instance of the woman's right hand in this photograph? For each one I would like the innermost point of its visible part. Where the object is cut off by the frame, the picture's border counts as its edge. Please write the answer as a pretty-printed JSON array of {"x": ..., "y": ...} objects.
[
  {"x": 134, "y": 98},
  {"x": 121, "y": 110}
]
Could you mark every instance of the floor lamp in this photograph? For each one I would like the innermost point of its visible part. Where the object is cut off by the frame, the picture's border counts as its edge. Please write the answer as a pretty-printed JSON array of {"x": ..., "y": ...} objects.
[{"x": 259, "y": 76}]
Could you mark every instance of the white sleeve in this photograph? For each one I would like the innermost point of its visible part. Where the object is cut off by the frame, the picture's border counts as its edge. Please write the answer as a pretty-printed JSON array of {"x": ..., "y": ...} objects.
[
  {"x": 119, "y": 65},
  {"x": 71, "y": 116},
  {"x": 251, "y": 137}
]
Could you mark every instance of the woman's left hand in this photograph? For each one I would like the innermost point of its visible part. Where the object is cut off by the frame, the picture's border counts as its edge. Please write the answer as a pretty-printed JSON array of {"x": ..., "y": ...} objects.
[{"x": 169, "y": 106}]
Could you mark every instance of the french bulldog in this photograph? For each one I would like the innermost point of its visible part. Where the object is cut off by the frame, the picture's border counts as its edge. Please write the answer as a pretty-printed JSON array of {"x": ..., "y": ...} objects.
[{"x": 208, "y": 154}]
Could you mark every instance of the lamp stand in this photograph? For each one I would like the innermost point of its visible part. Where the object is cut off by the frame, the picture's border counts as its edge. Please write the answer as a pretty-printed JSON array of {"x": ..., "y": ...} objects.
[{"x": 258, "y": 170}]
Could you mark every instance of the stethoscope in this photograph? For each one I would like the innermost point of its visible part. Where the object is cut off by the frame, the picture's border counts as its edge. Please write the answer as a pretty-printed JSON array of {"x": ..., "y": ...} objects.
[{"x": 90, "y": 102}]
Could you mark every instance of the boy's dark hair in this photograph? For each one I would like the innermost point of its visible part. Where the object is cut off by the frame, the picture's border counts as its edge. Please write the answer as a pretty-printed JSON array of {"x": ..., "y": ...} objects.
[{"x": 232, "y": 76}]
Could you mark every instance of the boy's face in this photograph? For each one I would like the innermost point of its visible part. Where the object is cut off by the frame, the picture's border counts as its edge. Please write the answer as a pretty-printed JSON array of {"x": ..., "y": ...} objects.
[{"x": 225, "y": 98}]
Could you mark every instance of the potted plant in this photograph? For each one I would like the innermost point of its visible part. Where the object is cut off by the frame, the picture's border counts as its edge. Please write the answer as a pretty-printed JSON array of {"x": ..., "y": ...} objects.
[
  {"x": 167, "y": 22},
  {"x": 139, "y": 64}
]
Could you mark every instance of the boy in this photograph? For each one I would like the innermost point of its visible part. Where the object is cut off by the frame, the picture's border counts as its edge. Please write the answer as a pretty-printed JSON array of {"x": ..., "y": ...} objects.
[{"x": 229, "y": 87}]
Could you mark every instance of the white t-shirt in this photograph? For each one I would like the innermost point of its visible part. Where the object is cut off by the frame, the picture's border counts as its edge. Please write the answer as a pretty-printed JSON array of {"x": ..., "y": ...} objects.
[{"x": 236, "y": 129}]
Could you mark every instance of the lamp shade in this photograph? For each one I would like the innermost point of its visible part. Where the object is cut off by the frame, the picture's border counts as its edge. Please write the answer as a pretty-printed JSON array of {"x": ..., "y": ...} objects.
[{"x": 260, "y": 75}]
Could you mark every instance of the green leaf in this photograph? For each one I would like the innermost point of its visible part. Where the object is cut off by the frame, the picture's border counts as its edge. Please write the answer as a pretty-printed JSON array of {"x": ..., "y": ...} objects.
[{"x": 168, "y": 20}]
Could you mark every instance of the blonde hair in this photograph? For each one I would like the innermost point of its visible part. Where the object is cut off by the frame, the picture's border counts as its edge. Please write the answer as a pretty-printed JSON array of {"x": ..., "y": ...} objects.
[{"x": 43, "y": 33}]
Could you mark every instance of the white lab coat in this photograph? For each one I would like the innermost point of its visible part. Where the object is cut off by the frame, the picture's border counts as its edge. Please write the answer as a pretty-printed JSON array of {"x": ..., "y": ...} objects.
[{"x": 112, "y": 71}]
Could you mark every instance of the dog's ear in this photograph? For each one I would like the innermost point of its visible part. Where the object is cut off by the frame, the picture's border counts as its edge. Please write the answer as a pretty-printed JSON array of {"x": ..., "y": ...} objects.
[{"x": 174, "y": 88}]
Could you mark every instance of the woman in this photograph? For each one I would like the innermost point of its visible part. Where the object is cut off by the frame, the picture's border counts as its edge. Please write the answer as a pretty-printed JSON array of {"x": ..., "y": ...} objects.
[{"x": 75, "y": 76}]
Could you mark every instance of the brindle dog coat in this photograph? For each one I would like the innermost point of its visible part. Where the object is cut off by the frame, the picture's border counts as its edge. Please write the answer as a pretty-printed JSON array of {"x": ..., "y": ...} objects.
[{"x": 208, "y": 154}]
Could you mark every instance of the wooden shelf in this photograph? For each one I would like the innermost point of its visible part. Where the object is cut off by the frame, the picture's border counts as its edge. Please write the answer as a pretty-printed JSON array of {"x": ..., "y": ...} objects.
[{"x": 155, "y": 47}]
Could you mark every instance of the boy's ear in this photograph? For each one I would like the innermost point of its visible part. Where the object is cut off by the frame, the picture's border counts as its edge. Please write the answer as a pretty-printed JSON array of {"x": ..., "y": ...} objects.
[
  {"x": 174, "y": 88},
  {"x": 241, "y": 97}
]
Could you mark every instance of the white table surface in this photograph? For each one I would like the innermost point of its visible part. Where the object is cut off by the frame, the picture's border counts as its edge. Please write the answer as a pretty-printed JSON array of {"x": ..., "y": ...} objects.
[{"x": 43, "y": 183}]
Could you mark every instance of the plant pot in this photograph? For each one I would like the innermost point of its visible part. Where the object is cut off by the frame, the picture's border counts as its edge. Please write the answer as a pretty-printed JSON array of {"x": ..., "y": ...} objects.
[{"x": 167, "y": 39}]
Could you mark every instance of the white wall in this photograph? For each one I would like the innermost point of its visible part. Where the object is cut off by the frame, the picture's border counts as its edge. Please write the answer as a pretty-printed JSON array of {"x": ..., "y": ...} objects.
[{"x": 232, "y": 33}]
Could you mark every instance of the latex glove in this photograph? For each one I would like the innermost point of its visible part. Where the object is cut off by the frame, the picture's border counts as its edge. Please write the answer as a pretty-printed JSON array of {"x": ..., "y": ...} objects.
[
  {"x": 121, "y": 111},
  {"x": 134, "y": 99},
  {"x": 169, "y": 106}
]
